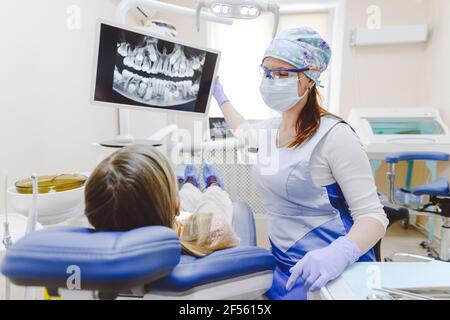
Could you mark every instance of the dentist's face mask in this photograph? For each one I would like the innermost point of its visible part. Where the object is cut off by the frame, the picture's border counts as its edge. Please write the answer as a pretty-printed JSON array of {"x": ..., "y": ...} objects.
[{"x": 281, "y": 94}]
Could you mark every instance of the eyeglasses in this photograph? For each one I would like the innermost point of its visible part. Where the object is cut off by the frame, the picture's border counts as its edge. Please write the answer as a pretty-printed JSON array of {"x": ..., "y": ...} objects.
[{"x": 283, "y": 73}]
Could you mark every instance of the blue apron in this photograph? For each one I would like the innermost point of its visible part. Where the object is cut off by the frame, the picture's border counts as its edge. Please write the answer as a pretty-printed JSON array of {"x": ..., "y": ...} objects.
[{"x": 301, "y": 216}]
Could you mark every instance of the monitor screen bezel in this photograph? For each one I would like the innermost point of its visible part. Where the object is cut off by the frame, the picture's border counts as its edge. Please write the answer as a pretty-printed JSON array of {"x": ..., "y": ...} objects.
[{"x": 99, "y": 23}]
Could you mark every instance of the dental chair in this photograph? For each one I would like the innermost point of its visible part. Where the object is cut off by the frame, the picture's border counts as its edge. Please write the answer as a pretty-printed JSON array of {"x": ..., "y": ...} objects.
[
  {"x": 78, "y": 263},
  {"x": 438, "y": 192}
]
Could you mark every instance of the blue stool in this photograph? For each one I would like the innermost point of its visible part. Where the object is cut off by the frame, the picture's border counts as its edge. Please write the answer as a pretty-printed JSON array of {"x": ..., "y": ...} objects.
[{"x": 438, "y": 191}]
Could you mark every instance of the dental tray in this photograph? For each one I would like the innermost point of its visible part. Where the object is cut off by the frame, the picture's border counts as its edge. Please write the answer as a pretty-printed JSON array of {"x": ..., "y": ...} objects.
[{"x": 52, "y": 183}]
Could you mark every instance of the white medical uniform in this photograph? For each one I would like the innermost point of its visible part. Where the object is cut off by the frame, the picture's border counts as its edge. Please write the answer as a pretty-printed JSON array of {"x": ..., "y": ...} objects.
[{"x": 312, "y": 193}]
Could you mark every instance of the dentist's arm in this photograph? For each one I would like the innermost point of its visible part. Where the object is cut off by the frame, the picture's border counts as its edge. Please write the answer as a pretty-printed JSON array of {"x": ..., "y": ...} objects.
[
  {"x": 233, "y": 118},
  {"x": 341, "y": 159},
  {"x": 350, "y": 167}
]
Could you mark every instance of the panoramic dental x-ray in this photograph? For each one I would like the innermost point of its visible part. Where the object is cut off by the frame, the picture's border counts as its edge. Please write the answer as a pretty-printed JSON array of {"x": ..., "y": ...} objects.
[{"x": 157, "y": 72}]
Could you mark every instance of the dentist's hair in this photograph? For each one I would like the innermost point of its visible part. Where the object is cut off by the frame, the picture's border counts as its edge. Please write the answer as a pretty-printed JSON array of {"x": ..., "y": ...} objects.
[
  {"x": 132, "y": 188},
  {"x": 308, "y": 121}
]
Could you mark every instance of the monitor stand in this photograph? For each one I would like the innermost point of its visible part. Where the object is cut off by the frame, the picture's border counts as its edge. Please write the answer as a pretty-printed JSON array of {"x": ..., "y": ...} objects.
[
  {"x": 120, "y": 143},
  {"x": 126, "y": 139}
]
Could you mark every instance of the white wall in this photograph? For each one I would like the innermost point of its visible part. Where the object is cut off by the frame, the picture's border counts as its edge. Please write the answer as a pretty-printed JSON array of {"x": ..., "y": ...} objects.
[
  {"x": 47, "y": 123},
  {"x": 384, "y": 76},
  {"x": 438, "y": 53},
  {"x": 395, "y": 75}
]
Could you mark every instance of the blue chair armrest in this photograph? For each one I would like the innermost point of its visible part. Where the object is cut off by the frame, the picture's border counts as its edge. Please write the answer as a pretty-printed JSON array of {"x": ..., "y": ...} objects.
[
  {"x": 244, "y": 223},
  {"x": 413, "y": 156}
]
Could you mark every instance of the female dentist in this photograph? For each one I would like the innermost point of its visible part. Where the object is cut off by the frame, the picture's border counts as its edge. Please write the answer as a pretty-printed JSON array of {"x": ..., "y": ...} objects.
[{"x": 323, "y": 207}]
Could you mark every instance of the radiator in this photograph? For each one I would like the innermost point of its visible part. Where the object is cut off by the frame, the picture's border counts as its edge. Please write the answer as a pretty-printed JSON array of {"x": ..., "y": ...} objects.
[{"x": 235, "y": 175}]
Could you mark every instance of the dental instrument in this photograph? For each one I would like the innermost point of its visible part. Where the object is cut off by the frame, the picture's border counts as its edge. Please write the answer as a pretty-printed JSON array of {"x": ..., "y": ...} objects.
[
  {"x": 32, "y": 217},
  {"x": 7, "y": 239},
  {"x": 361, "y": 281},
  {"x": 239, "y": 9},
  {"x": 403, "y": 294},
  {"x": 31, "y": 226}
]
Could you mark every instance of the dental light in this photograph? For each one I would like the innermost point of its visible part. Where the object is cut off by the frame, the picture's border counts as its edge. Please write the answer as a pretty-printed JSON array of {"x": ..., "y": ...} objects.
[{"x": 239, "y": 9}]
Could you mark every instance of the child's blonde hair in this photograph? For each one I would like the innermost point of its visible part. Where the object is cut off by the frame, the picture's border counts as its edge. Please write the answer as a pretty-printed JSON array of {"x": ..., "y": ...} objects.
[{"x": 134, "y": 187}]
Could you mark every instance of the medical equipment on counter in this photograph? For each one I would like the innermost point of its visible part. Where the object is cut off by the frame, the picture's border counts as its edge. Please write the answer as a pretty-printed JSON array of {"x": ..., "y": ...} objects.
[
  {"x": 387, "y": 130},
  {"x": 403, "y": 294},
  {"x": 422, "y": 293},
  {"x": 61, "y": 197},
  {"x": 240, "y": 9},
  {"x": 122, "y": 265},
  {"x": 438, "y": 205},
  {"x": 363, "y": 280}
]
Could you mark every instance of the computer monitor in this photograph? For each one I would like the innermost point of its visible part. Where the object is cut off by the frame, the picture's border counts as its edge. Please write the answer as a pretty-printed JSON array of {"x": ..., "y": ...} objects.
[{"x": 142, "y": 70}]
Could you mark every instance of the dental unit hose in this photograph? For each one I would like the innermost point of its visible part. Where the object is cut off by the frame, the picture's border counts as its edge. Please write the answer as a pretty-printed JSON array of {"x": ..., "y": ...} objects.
[
  {"x": 7, "y": 240},
  {"x": 32, "y": 217},
  {"x": 30, "y": 293}
]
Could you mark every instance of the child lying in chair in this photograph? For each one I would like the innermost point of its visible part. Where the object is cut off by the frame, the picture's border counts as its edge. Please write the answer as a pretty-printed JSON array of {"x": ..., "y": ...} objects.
[{"x": 136, "y": 187}]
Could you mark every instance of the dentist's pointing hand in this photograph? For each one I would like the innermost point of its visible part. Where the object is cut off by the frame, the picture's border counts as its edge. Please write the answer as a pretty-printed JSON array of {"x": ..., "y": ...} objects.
[
  {"x": 219, "y": 93},
  {"x": 318, "y": 267}
]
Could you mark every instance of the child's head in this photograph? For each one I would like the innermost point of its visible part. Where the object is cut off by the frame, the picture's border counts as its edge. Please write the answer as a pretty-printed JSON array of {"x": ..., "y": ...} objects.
[{"x": 134, "y": 187}]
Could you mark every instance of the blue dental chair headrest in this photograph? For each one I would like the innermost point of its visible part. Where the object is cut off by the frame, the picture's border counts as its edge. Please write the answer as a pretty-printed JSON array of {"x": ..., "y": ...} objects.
[{"x": 107, "y": 261}]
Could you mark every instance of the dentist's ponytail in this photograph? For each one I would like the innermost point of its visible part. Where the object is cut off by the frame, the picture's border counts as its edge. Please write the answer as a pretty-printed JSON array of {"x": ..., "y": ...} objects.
[{"x": 308, "y": 121}]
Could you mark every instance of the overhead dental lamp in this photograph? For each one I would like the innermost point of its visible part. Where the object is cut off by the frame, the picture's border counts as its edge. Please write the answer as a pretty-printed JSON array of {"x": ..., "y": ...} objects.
[{"x": 240, "y": 9}]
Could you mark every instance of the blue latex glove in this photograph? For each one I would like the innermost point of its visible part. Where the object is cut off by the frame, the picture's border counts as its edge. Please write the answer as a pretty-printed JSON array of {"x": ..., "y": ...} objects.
[
  {"x": 218, "y": 93},
  {"x": 318, "y": 267}
]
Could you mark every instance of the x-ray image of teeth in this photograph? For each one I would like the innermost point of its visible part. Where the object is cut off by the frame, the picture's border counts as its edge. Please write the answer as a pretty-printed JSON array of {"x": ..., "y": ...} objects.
[{"x": 157, "y": 72}]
